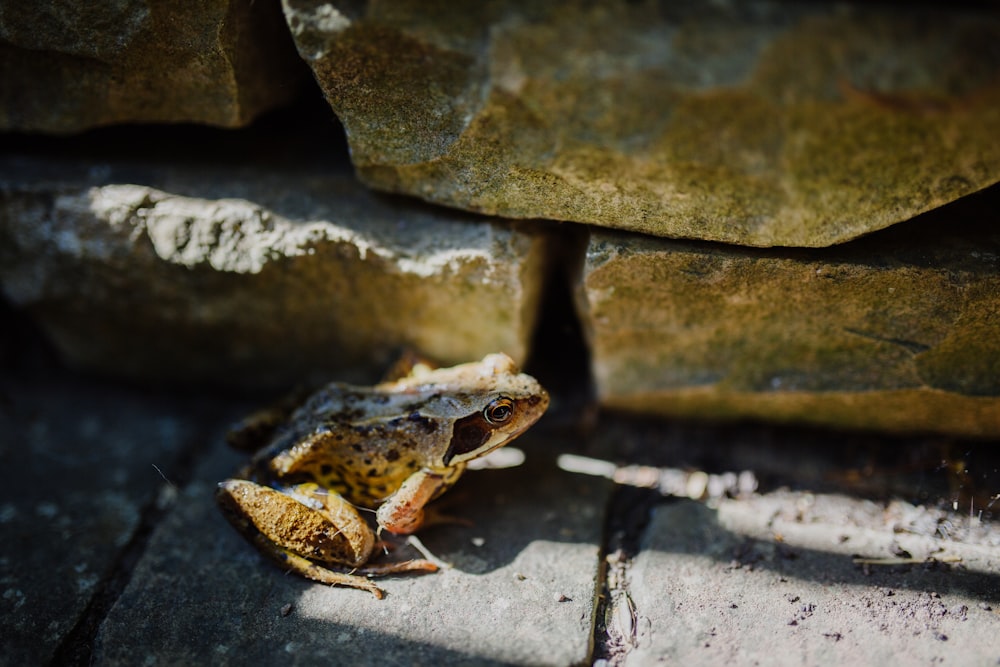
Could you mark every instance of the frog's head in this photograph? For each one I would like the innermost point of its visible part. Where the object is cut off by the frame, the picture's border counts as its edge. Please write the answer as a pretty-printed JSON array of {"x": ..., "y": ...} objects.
[{"x": 499, "y": 404}]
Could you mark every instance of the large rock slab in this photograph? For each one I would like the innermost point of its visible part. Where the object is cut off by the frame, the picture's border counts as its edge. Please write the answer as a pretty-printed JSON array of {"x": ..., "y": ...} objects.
[
  {"x": 763, "y": 123},
  {"x": 251, "y": 277},
  {"x": 521, "y": 589},
  {"x": 899, "y": 331},
  {"x": 70, "y": 66},
  {"x": 773, "y": 580}
]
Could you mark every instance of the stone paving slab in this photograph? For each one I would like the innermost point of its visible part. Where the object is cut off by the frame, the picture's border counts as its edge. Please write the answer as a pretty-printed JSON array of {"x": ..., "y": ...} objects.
[
  {"x": 770, "y": 579},
  {"x": 79, "y": 465},
  {"x": 522, "y": 589},
  {"x": 752, "y": 584}
]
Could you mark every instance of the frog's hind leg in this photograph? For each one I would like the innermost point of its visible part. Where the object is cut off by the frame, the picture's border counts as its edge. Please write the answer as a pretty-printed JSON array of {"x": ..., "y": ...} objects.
[
  {"x": 305, "y": 525},
  {"x": 291, "y": 533},
  {"x": 409, "y": 364},
  {"x": 343, "y": 512}
]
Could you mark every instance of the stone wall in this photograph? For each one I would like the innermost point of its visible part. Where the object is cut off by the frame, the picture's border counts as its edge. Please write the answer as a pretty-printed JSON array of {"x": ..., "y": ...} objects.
[{"x": 778, "y": 178}]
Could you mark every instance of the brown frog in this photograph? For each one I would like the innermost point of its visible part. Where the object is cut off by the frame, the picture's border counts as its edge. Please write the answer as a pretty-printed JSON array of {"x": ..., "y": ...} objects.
[{"x": 392, "y": 447}]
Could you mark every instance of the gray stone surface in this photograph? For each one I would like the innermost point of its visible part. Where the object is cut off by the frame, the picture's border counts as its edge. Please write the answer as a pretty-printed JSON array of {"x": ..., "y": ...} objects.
[
  {"x": 255, "y": 274},
  {"x": 769, "y": 578},
  {"x": 772, "y": 581},
  {"x": 80, "y": 464},
  {"x": 522, "y": 589}
]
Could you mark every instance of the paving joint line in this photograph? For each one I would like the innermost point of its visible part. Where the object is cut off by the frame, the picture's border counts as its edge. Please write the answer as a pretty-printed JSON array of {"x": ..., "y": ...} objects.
[
  {"x": 629, "y": 514},
  {"x": 77, "y": 647}
]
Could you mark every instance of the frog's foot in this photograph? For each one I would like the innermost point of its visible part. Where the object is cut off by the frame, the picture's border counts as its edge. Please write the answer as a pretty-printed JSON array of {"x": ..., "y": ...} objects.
[
  {"x": 416, "y": 565},
  {"x": 356, "y": 578},
  {"x": 254, "y": 431},
  {"x": 438, "y": 516},
  {"x": 316, "y": 572},
  {"x": 415, "y": 542},
  {"x": 440, "y": 512},
  {"x": 429, "y": 562},
  {"x": 409, "y": 364}
]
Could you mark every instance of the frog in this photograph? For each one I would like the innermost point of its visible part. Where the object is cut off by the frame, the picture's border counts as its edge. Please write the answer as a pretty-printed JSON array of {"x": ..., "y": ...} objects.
[{"x": 392, "y": 448}]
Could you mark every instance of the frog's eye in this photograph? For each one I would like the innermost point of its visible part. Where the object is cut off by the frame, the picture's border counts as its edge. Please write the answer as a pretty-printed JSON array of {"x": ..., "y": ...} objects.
[{"x": 499, "y": 410}]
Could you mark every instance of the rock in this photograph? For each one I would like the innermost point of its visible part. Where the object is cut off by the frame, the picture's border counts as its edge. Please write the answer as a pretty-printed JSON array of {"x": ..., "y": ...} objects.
[
  {"x": 709, "y": 585},
  {"x": 898, "y": 331},
  {"x": 85, "y": 465},
  {"x": 200, "y": 589},
  {"x": 761, "y": 124},
  {"x": 70, "y": 66},
  {"x": 253, "y": 277}
]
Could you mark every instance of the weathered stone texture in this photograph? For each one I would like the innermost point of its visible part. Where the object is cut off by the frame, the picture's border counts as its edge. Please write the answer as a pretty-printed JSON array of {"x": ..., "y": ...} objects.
[
  {"x": 773, "y": 581},
  {"x": 237, "y": 276},
  {"x": 764, "y": 123},
  {"x": 81, "y": 464},
  {"x": 70, "y": 66},
  {"x": 898, "y": 331},
  {"x": 521, "y": 590}
]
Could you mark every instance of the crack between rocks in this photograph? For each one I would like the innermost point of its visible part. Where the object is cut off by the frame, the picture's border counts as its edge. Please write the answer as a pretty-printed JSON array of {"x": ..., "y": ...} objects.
[
  {"x": 615, "y": 629},
  {"x": 598, "y": 640},
  {"x": 77, "y": 647},
  {"x": 910, "y": 346},
  {"x": 560, "y": 358}
]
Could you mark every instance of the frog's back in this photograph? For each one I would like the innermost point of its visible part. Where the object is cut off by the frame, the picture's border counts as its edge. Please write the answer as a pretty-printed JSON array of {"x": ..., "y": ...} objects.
[{"x": 359, "y": 442}]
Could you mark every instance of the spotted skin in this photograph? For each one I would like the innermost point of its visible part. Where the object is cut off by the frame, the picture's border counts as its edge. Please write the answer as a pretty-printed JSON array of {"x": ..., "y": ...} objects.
[{"x": 393, "y": 448}]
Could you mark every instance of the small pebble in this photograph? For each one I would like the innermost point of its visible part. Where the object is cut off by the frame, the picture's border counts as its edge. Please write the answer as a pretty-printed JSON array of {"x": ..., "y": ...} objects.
[
  {"x": 478, "y": 541},
  {"x": 563, "y": 598},
  {"x": 286, "y": 609}
]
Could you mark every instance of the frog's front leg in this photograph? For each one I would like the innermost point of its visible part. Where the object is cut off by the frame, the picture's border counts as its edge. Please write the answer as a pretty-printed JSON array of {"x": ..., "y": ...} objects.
[{"x": 403, "y": 512}]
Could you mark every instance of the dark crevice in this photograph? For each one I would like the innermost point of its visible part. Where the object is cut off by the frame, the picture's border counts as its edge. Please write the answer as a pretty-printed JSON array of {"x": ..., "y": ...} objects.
[
  {"x": 911, "y": 346},
  {"x": 934, "y": 472},
  {"x": 77, "y": 646},
  {"x": 25, "y": 351},
  {"x": 970, "y": 244},
  {"x": 629, "y": 513},
  {"x": 284, "y": 136},
  {"x": 559, "y": 356}
]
